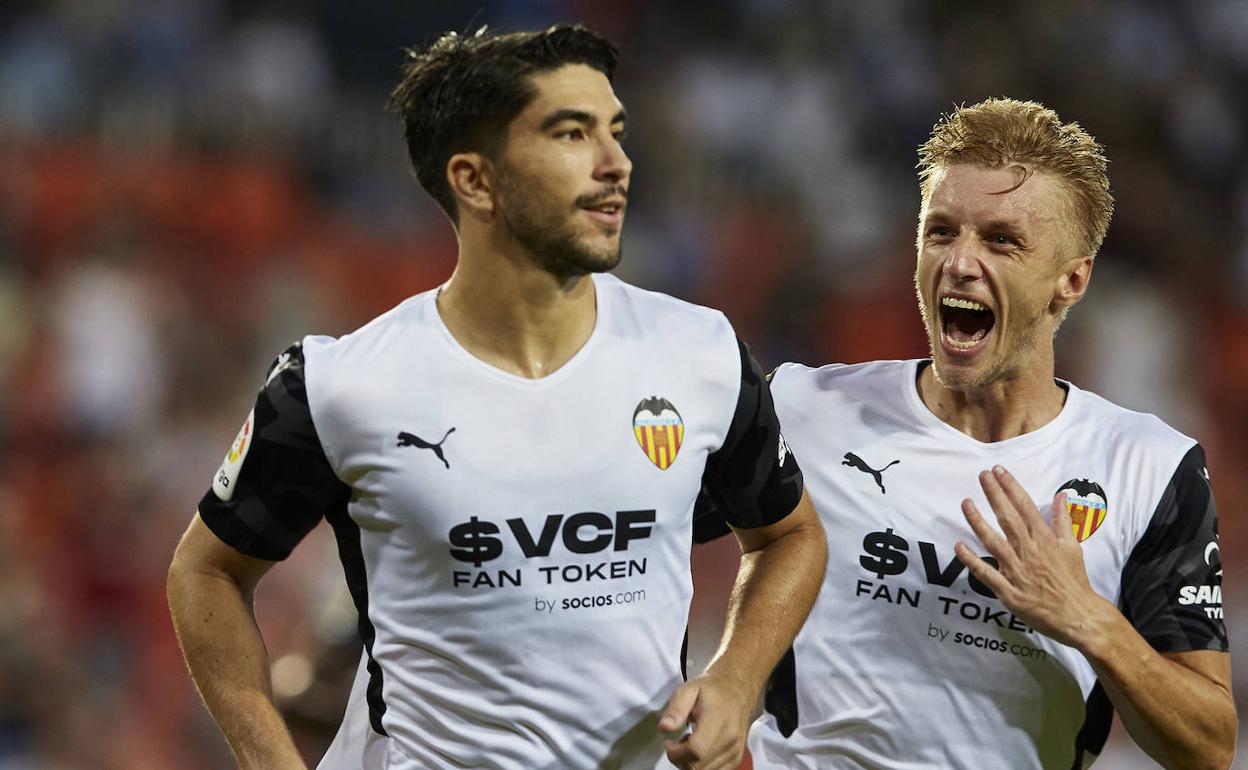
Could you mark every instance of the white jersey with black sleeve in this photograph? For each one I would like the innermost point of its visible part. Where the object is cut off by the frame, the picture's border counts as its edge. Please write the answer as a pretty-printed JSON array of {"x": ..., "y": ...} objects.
[
  {"x": 908, "y": 662},
  {"x": 518, "y": 549}
]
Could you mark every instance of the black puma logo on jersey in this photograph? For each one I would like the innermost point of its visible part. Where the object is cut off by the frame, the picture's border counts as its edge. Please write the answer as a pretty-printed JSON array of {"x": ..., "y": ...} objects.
[
  {"x": 854, "y": 461},
  {"x": 410, "y": 439}
]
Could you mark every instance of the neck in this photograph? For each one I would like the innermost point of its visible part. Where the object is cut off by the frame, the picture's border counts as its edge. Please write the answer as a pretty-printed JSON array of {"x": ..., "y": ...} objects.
[
  {"x": 508, "y": 312},
  {"x": 1001, "y": 410}
]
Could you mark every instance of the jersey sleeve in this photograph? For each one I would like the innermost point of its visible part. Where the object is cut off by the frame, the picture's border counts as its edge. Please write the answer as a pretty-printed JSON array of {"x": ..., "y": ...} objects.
[
  {"x": 275, "y": 483},
  {"x": 752, "y": 480},
  {"x": 1172, "y": 581}
]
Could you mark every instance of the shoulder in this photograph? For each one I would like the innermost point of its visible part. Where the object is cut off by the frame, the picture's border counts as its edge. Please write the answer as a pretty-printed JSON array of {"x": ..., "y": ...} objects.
[
  {"x": 663, "y": 331},
  {"x": 1143, "y": 436},
  {"x": 399, "y": 344},
  {"x": 412, "y": 314},
  {"x": 835, "y": 376},
  {"x": 357, "y": 353},
  {"x": 872, "y": 381},
  {"x": 642, "y": 310}
]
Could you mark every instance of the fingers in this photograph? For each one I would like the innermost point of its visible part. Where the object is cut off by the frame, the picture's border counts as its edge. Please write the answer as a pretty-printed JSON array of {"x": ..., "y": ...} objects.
[
  {"x": 998, "y": 545},
  {"x": 679, "y": 708},
  {"x": 985, "y": 572},
  {"x": 1022, "y": 504},
  {"x": 708, "y": 747},
  {"x": 716, "y": 739},
  {"x": 1012, "y": 525},
  {"x": 1059, "y": 515}
]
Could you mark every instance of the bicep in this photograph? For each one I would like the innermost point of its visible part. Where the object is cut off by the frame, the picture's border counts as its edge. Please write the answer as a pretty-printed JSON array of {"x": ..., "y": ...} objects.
[
  {"x": 201, "y": 552},
  {"x": 752, "y": 481},
  {"x": 802, "y": 520}
]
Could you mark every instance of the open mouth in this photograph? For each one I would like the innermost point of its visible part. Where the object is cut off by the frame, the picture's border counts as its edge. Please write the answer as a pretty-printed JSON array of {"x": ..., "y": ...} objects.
[{"x": 964, "y": 323}]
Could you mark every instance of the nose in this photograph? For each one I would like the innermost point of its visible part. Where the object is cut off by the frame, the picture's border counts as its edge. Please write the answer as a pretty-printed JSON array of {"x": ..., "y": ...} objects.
[
  {"x": 613, "y": 164},
  {"x": 962, "y": 262}
]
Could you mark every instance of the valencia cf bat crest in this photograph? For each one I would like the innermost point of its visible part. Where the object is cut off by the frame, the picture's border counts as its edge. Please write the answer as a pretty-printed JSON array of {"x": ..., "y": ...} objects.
[
  {"x": 1087, "y": 505},
  {"x": 659, "y": 430}
]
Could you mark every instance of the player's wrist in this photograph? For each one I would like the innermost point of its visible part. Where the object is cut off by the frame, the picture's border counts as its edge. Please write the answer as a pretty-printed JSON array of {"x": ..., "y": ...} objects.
[
  {"x": 1096, "y": 634},
  {"x": 737, "y": 677}
]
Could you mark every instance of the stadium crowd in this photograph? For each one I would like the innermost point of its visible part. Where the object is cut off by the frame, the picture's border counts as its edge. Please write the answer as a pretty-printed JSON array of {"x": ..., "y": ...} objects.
[{"x": 189, "y": 185}]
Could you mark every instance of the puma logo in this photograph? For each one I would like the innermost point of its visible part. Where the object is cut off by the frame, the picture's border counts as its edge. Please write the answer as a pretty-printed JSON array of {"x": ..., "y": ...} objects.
[
  {"x": 854, "y": 461},
  {"x": 410, "y": 439}
]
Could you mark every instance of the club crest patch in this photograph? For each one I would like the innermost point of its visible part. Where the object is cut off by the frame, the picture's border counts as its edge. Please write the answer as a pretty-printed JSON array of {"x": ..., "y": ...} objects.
[
  {"x": 1087, "y": 505},
  {"x": 227, "y": 475},
  {"x": 659, "y": 430}
]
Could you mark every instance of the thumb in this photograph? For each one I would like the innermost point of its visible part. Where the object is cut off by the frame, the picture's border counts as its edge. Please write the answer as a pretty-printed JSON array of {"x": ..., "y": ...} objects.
[{"x": 679, "y": 707}]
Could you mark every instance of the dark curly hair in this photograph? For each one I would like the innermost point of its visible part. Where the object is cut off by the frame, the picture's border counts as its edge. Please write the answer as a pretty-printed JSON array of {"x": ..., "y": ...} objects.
[{"x": 460, "y": 94}]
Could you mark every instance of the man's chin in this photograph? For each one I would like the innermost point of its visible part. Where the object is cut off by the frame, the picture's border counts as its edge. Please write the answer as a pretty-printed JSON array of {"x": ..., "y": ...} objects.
[
  {"x": 583, "y": 261},
  {"x": 960, "y": 376}
]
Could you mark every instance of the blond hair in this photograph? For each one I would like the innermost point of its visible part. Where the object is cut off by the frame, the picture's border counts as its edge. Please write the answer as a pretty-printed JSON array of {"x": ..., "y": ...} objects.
[{"x": 1000, "y": 132}]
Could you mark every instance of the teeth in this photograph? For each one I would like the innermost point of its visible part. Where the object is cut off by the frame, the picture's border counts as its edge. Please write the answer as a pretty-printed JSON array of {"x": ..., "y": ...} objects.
[
  {"x": 968, "y": 344},
  {"x": 964, "y": 304}
]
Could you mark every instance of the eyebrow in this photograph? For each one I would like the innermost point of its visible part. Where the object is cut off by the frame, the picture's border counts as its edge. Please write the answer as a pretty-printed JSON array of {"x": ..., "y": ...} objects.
[
  {"x": 1012, "y": 225},
  {"x": 1008, "y": 225},
  {"x": 577, "y": 116}
]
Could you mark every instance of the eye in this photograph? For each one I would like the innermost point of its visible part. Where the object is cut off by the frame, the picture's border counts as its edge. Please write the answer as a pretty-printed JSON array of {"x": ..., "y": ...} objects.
[
  {"x": 939, "y": 231},
  {"x": 572, "y": 134},
  {"x": 620, "y": 135},
  {"x": 1003, "y": 239}
]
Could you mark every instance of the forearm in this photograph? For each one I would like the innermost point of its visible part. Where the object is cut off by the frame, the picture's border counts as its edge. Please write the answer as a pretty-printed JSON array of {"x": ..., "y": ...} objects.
[
  {"x": 228, "y": 661},
  {"x": 775, "y": 588},
  {"x": 1181, "y": 718}
]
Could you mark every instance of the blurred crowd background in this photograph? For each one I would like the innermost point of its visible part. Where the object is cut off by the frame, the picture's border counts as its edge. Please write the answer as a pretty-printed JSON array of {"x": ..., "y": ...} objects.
[{"x": 188, "y": 185}]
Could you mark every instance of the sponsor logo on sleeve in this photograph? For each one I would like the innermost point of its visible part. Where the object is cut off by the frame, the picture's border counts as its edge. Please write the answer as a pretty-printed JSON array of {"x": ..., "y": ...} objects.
[
  {"x": 226, "y": 480},
  {"x": 659, "y": 430},
  {"x": 1207, "y": 597}
]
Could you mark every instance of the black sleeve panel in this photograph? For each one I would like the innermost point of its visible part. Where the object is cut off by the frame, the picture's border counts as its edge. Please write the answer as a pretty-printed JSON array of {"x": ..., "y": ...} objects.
[
  {"x": 285, "y": 485},
  {"x": 1172, "y": 582},
  {"x": 752, "y": 480}
]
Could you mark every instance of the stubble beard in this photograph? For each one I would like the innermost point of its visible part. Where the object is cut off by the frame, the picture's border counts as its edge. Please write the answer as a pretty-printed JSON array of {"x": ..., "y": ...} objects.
[
  {"x": 1007, "y": 362},
  {"x": 549, "y": 237}
]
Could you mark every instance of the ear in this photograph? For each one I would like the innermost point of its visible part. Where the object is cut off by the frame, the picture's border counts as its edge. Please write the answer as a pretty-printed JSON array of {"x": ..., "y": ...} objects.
[
  {"x": 1072, "y": 282},
  {"x": 471, "y": 178}
]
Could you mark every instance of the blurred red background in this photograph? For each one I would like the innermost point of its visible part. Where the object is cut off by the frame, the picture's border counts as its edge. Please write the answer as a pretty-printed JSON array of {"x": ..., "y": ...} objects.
[{"x": 189, "y": 185}]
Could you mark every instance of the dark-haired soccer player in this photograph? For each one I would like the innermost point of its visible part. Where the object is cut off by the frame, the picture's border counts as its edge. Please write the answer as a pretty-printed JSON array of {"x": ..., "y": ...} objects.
[
  {"x": 1110, "y": 601},
  {"x": 510, "y": 464}
]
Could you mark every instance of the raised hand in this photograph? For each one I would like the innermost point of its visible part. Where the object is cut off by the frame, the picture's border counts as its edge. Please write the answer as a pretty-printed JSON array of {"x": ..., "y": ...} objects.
[{"x": 1041, "y": 576}]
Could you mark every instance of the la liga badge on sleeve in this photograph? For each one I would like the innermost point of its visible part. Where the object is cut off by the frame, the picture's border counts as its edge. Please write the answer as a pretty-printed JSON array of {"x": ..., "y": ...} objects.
[{"x": 227, "y": 475}]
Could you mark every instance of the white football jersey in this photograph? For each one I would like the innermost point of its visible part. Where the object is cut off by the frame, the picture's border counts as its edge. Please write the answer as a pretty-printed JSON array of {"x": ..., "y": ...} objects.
[
  {"x": 518, "y": 549},
  {"x": 907, "y": 661}
]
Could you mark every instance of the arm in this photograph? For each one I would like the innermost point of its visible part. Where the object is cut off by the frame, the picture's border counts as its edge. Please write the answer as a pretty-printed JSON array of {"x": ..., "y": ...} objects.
[
  {"x": 781, "y": 570},
  {"x": 1177, "y": 705},
  {"x": 272, "y": 488},
  {"x": 754, "y": 485},
  {"x": 211, "y": 588}
]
